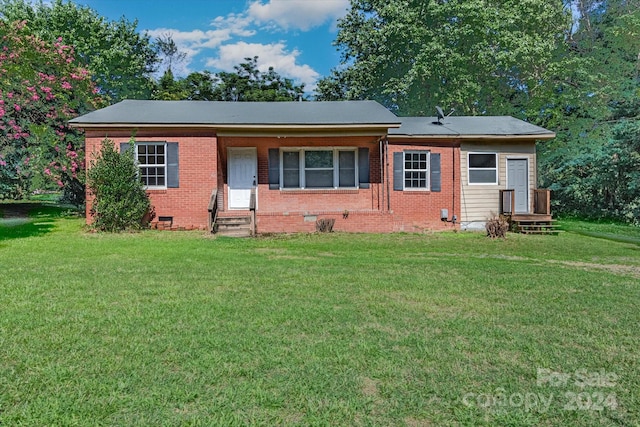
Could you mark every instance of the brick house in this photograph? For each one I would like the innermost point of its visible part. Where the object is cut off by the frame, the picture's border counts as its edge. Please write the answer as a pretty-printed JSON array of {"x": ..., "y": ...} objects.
[{"x": 287, "y": 165}]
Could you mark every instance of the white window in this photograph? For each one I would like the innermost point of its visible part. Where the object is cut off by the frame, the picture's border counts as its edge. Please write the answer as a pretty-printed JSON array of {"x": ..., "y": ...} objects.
[
  {"x": 416, "y": 170},
  {"x": 319, "y": 168},
  {"x": 152, "y": 161},
  {"x": 483, "y": 168}
]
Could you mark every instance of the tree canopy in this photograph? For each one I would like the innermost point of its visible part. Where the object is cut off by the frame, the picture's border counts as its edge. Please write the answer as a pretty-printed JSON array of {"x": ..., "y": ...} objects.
[
  {"x": 593, "y": 164},
  {"x": 246, "y": 83},
  {"x": 119, "y": 58},
  {"x": 477, "y": 56},
  {"x": 42, "y": 86}
]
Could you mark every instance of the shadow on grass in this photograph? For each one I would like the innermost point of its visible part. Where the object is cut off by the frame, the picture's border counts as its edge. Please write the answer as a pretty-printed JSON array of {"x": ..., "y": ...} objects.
[
  {"x": 30, "y": 228},
  {"x": 20, "y": 220},
  {"x": 608, "y": 236}
]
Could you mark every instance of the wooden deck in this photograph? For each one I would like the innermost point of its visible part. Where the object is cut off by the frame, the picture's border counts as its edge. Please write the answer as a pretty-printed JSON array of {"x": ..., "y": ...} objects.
[
  {"x": 531, "y": 217},
  {"x": 539, "y": 221},
  {"x": 534, "y": 224}
]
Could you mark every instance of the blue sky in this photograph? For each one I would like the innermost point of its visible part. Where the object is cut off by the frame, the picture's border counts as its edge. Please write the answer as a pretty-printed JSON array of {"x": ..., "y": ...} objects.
[{"x": 293, "y": 36}]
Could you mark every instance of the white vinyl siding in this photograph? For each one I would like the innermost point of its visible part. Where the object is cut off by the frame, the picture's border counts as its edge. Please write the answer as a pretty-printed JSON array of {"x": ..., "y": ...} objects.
[{"x": 480, "y": 202}]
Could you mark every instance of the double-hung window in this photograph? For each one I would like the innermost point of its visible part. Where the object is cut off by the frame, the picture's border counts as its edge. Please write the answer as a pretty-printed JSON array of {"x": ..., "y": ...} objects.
[
  {"x": 313, "y": 168},
  {"x": 152, "y": 161},
  {"x": 416, "y": 170},
  {"x": 483, "y": 168},
  {"x": 157, "y": 163}
]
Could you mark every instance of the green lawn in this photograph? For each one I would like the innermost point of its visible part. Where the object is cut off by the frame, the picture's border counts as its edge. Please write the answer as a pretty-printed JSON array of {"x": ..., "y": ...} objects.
[{"x": 175, "y": 328}]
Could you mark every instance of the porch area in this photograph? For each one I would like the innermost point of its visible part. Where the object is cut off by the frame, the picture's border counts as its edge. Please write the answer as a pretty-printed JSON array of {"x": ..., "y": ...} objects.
[
  {"x": 539, "y": 221},
  {"x": 232, "y": 223}
]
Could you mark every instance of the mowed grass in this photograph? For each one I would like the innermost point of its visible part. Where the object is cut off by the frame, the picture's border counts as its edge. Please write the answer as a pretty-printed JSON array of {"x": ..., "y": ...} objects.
[{"x": 177, "y": 328}]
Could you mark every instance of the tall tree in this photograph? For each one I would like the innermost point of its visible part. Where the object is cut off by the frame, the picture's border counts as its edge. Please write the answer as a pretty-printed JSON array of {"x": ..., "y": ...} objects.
[
  {"x": 200, "y": 86},
  {"x": 169, "y": 89},
  {"x": 477, "y": 56},
  {"x": 42, "y": 86},
  {"x": 168, "y": 51},
  {"x": 246, "y": 83},
  {"x": 120, "y": 59},
  {"x": 591, "y": 163}
]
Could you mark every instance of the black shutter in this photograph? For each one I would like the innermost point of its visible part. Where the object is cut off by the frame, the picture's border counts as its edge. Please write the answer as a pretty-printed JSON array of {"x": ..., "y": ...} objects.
[
  {"x": 363, "y": 167},
  {"x": 436, "y": 175},
  {"x": 398, "y": 171},
  {"x": 274, "y": 169},
  {"x": 124, "y": 146},
  {"x": 173, "y": 176}
]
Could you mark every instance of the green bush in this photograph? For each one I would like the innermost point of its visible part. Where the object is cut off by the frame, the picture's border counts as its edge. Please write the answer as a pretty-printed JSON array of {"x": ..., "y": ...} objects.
[{"x": 120, "y": 202}]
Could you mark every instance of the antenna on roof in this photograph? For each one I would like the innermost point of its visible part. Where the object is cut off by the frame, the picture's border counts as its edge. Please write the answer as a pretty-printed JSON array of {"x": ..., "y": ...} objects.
[{"x": 441, "y": 116}]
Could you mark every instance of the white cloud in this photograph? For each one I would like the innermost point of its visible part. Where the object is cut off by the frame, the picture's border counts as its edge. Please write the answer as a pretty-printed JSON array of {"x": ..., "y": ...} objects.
[
  {"x": 222, "y": 39},
  {"x": 269, "y": 55},
  {"x": 194, "y": 42},
  {"x": 298, "y": 14}
]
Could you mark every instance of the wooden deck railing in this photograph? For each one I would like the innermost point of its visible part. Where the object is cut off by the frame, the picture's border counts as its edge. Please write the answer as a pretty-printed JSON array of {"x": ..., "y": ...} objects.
[
  {"x": 213, "y": 210},
  {"x": 507, "y": 202},
  {"x": 542, "y": 201}
]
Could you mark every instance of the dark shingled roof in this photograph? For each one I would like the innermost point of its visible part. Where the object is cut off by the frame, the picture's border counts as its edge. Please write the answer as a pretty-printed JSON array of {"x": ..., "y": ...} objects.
[
  {"x": 210, "y": 113},
  {"x": 454, "y": 126},
  {"x": 304, "y": 114}
]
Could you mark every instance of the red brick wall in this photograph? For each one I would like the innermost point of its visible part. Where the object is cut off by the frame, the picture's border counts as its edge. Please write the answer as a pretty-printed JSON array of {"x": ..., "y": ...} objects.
[
  {"x": 203, "y": 166},
  {"x": 197, "y": 156},
  {"x": 362, "y": 210},
  {"x": 420, "y": 210}
]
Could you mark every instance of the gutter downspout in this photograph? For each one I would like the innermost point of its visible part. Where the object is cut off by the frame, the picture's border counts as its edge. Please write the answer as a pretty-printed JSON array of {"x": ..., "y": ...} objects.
[
  {"x": 386, "y": 161},
  {"x": 380, "y": 153},
  {"x": 453, "y": 200}
]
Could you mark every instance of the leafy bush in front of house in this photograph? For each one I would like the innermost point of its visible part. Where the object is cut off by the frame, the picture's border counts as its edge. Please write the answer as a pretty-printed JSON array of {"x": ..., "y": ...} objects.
[{"x": 120, "y": 202}]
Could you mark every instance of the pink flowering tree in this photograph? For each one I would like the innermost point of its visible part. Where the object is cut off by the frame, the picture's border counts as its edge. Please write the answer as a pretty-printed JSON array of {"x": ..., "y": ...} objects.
[{"x": 42, "y": 86}]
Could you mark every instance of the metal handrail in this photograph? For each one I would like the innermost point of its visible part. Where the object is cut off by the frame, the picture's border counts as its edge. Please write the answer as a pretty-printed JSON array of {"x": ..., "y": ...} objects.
[
  {"x": 252, "y": 208},
  {"x": 213, "y": 210},
  {"x": 252, "y": 200}
]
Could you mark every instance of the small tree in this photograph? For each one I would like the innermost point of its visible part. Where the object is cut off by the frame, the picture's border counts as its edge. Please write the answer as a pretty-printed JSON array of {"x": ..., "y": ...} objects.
[{"x": 120, "y": 202}]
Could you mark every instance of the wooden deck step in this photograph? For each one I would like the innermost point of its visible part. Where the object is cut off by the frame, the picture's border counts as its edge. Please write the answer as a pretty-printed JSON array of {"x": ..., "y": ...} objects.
[{"x": 533, "y": 225}]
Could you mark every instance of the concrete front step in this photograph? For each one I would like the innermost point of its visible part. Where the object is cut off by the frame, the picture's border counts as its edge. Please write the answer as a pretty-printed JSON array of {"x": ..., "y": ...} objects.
[
  {"x": 236, "y": 226},
  {"x": 233, "y": 221},
  {"x": 234, "y": 233}
]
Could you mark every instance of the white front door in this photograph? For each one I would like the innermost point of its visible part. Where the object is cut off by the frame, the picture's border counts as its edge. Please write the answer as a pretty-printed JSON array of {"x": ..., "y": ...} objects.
[
  {"x": 517, "y": 180},
  {"x": 242, "y": 173}
]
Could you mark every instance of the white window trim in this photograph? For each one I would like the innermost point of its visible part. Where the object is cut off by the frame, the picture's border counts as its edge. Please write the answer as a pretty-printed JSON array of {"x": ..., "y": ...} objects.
[
  {"x": 141, "y": 165},
  {"x": 496, "y": 169},
  {"x": 427, "y": 170},
  {"x": 336, "y": 167}
]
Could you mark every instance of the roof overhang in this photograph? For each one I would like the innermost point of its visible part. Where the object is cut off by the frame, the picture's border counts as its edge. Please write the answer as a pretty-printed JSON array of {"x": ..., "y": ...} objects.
[
  {"x": 533, "y": 137},
  {"x": 253, "y": 130}
]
